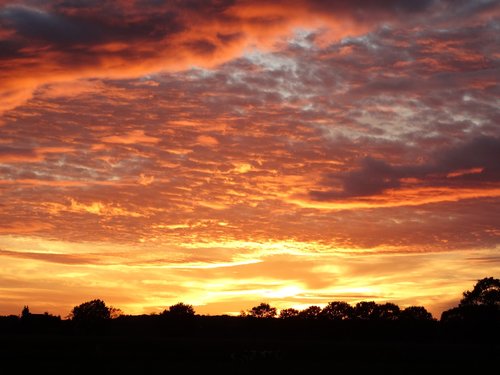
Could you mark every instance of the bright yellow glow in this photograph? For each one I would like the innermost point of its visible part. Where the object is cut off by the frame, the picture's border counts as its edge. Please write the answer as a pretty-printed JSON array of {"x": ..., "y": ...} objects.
[
  {"x": 135, "y": 281},
  {"x": 287, "y": 291}
]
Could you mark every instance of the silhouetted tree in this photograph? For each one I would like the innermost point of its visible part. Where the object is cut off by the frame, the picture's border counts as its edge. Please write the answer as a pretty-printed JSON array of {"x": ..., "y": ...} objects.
[
  {"x": 387, "y": 311},
  {"x": 312, "y": 312},
  {"x": 365, "y": 310},
  {"x": 91, "y": 312},
  {"x": 115, "y": 312},
  {"x": 264, "y": 310},
  {"x": 25, "y": 314},
  {"x": 415, "y": 313},
  {"x": 486, "y": 292},
  {"x": 337, "y": 310},
  {"x": 289, "y": 313},
  {"x": 481, "y": 305},
  {"x": 455, "y": 314},
  {"x": 180, "y": 310}
]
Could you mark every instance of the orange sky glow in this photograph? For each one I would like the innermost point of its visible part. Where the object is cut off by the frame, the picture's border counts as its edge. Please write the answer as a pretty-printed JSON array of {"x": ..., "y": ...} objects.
[{"x": 224, "y": 153}]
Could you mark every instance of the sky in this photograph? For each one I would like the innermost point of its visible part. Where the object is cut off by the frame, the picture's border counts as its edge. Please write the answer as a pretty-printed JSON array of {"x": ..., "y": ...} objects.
[{"x": 224, "y": 153}]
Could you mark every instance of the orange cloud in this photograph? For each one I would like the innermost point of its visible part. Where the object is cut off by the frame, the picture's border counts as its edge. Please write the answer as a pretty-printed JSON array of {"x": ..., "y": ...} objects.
[
  {"x": 20, "y": 156},
  {"x": 132, "y": 137},
  {"x": 206, "y": 140},
  {"x": 402, "y": 197},
  {"x": 22, "y": 227},
  {"x": 463, "y": 172},
  {"x": 146, "y": 44}
]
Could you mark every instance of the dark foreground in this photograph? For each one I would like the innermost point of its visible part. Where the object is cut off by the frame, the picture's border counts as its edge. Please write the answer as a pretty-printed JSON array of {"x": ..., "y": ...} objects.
[
  {"x": 141, "y": 355},
  {"x": 253, "y": 348}
]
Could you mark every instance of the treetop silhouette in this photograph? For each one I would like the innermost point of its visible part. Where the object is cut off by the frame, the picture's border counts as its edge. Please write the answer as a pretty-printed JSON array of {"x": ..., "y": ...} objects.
[
  {"x": 486, "y": 292},
  {"x": 338, "y": 310},
  {"x": 415, "y": 313},
  {"x": 91, "y": 311},
  {"x": 289, "y": 313},
  {"x": 264, "y": 310},
  {"x": 480, "y": 303},
  {"x": 179, "y": 310}
]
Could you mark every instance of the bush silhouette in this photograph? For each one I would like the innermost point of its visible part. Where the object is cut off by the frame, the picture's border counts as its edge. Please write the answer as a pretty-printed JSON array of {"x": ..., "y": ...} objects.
[
  {"x": 264, "y": 310},
  {"x": 179, "y": 310}
]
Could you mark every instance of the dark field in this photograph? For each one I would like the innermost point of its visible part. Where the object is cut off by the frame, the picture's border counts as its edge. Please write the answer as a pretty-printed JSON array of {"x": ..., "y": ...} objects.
[{"x": 257, "y": 349}]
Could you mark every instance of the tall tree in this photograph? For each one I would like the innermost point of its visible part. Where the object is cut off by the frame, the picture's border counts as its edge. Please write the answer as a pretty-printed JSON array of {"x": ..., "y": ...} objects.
[
  {"x": 25, "y": 313},
  {"x": 486, "y": 292}
]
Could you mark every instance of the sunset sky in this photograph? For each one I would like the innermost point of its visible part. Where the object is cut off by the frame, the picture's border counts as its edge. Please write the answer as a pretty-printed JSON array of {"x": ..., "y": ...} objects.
[{"x": 224, "y": 153}]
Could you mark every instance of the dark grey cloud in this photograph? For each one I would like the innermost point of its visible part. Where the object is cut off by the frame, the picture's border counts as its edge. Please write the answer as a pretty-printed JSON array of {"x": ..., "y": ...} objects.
[
  {"x": 62, "y": 27},
  {"x": 12, "y": 153},
  {"x": 39, "y": 25},
  {"x": 475, "y": 161},
  {"x": 482, "y": 152},
  {"x": 409, "y": 6}
]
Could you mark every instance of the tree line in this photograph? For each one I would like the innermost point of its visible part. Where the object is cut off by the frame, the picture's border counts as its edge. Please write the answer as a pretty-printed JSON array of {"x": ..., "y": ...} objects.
[{"x": 481, "y": 304}]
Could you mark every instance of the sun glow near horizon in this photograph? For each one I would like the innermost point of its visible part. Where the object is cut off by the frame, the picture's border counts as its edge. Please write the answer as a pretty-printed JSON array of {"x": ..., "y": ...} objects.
[{"x": 286, "y": 274}]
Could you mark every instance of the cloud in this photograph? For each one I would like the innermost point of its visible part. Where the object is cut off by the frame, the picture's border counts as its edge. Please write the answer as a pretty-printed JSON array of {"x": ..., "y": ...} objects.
[
  {"x": 472, "y": 162},
  {"x": 299, "y": 119},
  {"x": 51, "y": 257},
  {"x": 146, "y": 180},
  {"x": 9, "y": 154},
  {"x": 25, "y": 226},
  {"x": 207, "y": 140},
  {"x": 480, "y": 156},
  {"x": 366, "y": 7},
  {"x": 39, "y": 25},
  {"x": 95, "y": 208},
  {"x": 12, "y": 154},
  {"x": 66, "y": 41},
  {"x": 132, "y": 137}
]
